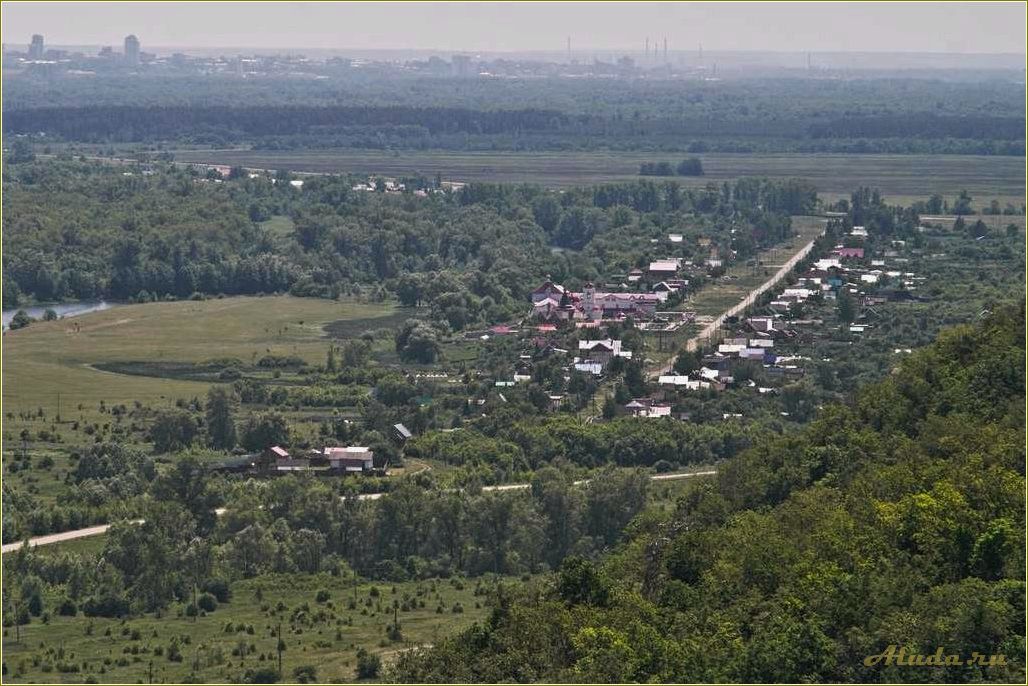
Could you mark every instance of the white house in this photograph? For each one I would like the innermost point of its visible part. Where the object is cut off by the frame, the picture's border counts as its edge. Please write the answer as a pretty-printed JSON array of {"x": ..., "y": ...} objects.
[{"x": 350, "y": 459}]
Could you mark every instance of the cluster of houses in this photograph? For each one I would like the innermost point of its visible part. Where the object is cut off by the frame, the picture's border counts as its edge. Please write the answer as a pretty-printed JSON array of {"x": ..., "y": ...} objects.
[
  {"x": 846, "y": 269},
  {"x": 335, "y": 460},
  {"x": 850, "y": 269},
  {"x": 552, "y": 302},
  {"x": 771, "y": 339},
  {"x": 595, "y": 356},
  {"x": 391, "y": 186}
]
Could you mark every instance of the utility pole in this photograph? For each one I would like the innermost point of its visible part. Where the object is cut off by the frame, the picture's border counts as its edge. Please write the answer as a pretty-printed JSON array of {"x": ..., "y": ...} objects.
[
  {"x": 17, "y": 622},
  {"x": 279, "y": 646}
]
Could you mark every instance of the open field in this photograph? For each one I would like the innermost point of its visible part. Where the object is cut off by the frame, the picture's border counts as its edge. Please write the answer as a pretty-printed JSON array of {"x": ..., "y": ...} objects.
[
  {"x": 900, "y": 177},
  {"x": 325, "y": 634},
  {"x": 48, "y": 359}
]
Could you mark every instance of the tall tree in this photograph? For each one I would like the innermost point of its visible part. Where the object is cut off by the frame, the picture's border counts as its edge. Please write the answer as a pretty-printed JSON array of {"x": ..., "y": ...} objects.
[{"x": 221, "y": 427}]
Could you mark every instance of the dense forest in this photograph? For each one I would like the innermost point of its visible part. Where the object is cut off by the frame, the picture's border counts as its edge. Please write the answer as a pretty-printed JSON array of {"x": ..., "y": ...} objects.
[
  {"x": 803, "y": 115},
  {"x": 896, "y": 519}
]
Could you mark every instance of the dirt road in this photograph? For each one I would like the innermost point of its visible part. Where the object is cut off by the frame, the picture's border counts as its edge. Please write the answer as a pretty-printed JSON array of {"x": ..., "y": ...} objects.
[
  {"x": 102, "y": 528},
  {"x": 711, "y": 329}
]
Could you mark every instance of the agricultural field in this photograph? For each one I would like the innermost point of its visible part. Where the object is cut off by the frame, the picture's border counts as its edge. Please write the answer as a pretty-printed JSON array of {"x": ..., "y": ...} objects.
[{"x": 902, "y": 178}]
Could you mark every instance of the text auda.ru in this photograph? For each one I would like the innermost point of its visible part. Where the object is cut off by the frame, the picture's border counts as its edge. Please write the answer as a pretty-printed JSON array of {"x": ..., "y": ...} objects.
[{"x": 899, "y": 656}]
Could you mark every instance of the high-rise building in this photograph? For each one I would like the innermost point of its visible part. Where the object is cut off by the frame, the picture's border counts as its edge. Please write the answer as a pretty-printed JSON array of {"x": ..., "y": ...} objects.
[
  {"x": 132, "y": 49},
  {"x": 36, "y": 49}
]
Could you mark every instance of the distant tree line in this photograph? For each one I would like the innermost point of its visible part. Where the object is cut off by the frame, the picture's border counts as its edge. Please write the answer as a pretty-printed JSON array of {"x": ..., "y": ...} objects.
[
  {"x": 77, "y": 230},
  {"x": 691, "y": 166}
]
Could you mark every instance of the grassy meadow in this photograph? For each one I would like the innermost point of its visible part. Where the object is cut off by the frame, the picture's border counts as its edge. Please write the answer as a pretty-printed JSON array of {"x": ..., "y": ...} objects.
[
  {"x": 241, "y": 634},
  {"x": 48, "y": 359}
]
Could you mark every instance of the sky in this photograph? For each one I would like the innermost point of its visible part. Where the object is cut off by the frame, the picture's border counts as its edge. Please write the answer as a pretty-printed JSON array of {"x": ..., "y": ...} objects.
[{"x": 971, "y": 27}]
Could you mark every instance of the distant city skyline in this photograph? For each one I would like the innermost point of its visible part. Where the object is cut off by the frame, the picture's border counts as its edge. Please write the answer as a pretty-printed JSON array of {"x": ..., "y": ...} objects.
[{"x": 937, "y": 27}]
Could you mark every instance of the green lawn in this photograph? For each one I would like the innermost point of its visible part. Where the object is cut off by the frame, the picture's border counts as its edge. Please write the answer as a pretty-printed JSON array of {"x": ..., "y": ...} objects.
[{"x": 324, "y": 634}]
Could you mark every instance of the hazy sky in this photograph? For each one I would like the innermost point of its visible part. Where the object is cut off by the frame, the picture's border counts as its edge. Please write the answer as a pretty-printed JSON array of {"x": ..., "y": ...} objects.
[{"x": 863, "y": 26}]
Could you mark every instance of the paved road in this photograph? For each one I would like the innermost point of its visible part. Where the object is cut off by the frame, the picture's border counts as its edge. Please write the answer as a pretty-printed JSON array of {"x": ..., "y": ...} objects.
[
  {"x": 102, "y": 528},
  {"x": 711, "y": 329}
]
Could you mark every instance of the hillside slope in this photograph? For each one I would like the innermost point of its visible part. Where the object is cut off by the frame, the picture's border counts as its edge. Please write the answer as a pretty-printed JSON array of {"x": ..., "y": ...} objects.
[{"x": 897, "y": 520}]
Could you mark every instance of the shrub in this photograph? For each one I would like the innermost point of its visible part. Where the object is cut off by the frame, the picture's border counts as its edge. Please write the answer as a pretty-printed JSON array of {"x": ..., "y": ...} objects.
[
  {"x": 218, "y": 588},
  {"x": 322, "y": 596},
  {"x": 105, "y": 606},
  {"x": 67, "y": 608},
  {"x": 662, "y": 466},
  {"x": 305, "y": 674},
  {"x": 261, "y": 675},
  {"x": 207, "y": 602},
  {"x": 368, "y": 664}
]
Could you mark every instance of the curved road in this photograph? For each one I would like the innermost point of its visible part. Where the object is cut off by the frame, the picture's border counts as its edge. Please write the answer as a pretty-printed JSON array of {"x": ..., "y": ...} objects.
[{"x": 102, "y": 528}]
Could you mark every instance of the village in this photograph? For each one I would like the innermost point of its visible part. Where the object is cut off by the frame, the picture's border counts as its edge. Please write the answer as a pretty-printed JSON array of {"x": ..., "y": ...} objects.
[{"x": 828, "y": 301}]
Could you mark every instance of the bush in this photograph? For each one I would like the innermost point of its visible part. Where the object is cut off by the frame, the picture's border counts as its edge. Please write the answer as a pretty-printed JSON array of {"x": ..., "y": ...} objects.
[
  {"x": 67, "y": 608},
  {"x": 207, "y": 602},
  {"x": 305, "y": 674},
  {"x": 218, "y": 588},
  {"x": 322, "y": 596},
  {"x": 691, "y": 166},
  {"x": 20, "y": 321},
  {"x": 368, "y": 664},
  {"x": 261, "y": 675},
  {"x": 105, "y": 606}
]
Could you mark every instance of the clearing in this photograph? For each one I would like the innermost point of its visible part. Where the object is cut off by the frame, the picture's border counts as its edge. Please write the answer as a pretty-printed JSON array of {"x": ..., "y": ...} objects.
[{"x": 51, "y": 362}]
